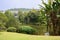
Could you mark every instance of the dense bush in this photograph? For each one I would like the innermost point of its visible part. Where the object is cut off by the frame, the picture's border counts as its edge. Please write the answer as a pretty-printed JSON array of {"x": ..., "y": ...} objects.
[
  {"x": 11, "y": 29},
  {"x": 26, "y": 29}
]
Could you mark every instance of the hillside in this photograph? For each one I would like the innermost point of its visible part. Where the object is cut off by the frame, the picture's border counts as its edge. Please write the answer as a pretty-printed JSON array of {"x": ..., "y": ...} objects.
[
  {"x": 19, "y": 36},
  {"x": 21, "y": 9}
]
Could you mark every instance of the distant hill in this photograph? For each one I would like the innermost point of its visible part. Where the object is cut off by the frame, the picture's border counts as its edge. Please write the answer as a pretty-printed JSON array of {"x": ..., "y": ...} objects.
[
  {"x": 21, "y": 9},
  {"x": 15, "y": 10}
]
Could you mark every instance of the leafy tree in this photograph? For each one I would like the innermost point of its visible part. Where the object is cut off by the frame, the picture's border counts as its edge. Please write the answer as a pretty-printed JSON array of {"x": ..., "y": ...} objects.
[
  {"x": 32, "y": 17},
  {"x": 21, "y": 16},
  {"x": 13, "y": 21},
  {"x": 52, "y": 9},
  {"x": 3, "y": 20}
]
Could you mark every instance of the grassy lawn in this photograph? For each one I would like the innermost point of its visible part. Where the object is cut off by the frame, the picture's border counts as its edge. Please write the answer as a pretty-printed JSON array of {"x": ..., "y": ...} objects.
[{"x": 18, "y": 36}]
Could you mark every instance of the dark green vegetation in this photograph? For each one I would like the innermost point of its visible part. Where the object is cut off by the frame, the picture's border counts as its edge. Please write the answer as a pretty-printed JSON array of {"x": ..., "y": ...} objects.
[
  {"x": 52, "y": 11},
  {"x": 31, "y": 22},
  {"x": 36, "y": 22}
]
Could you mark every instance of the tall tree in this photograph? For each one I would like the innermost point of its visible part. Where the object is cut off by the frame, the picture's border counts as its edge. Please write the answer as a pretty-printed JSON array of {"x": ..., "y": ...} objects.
[
  {"x": 12, "y": 20},
  {"x": 52, "y": 11},
  {"x": 21, "y": 16},
  {"x": 3, "y": 20}
]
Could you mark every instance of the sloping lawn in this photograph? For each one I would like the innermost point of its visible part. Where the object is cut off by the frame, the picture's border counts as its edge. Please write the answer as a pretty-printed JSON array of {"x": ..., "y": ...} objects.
[{"x": 18, "y": 36}]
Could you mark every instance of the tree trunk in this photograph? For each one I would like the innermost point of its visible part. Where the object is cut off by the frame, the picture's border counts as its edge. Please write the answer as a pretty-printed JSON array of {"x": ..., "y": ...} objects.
[{"x": 54, "y": 22}]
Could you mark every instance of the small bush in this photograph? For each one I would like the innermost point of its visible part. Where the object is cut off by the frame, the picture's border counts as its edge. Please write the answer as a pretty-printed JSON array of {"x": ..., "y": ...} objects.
[
  {"x": 26, "y": 29},
  {"x": 11, "y": 29}
]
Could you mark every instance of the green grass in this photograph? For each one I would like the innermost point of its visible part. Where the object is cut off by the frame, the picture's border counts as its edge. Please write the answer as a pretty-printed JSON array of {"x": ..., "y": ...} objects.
[{"x": 19, "y": 36}]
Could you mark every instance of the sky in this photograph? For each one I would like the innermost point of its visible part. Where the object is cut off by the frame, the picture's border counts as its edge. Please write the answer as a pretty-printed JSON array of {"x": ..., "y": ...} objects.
[{"x": 7, "y": 4}]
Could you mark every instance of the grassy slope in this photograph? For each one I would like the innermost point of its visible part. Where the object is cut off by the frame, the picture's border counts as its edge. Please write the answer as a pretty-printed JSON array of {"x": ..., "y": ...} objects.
[{"x": 16, "y": 36}]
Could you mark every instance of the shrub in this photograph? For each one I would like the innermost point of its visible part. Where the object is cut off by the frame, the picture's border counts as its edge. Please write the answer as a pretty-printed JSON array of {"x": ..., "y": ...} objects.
[
  {"x": 26, "y": 29},
  {"x": 11, "y": 29},
  {"x": 2, "y": 28}
]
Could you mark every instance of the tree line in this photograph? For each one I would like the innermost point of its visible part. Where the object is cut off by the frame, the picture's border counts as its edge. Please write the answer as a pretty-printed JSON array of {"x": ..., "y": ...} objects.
[{"x": 10, "y": 21}]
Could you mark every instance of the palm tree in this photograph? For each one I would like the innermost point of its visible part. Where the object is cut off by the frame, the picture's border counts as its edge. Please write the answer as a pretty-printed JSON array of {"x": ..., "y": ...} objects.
[{"x": 52, "y": 9}]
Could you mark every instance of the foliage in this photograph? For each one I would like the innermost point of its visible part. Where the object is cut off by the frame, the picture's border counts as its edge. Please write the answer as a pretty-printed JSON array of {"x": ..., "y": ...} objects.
[
  {"x": 3, "y": 18},
  {"x": 33, "y": 17},
  {"x": 2, "y": 28},
  {"x": 12, "y": 20},
  {"x": 26, "y": 29},
  {"x": 11, "y": 29},
  {"x": 3, "y": 21},
  {"x": 52, "y": 9},
  {"x": 21, "y": 16}
]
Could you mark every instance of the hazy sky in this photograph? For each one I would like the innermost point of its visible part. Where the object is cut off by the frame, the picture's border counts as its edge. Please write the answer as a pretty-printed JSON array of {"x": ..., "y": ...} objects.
[{"x": 7, "y": 4}]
